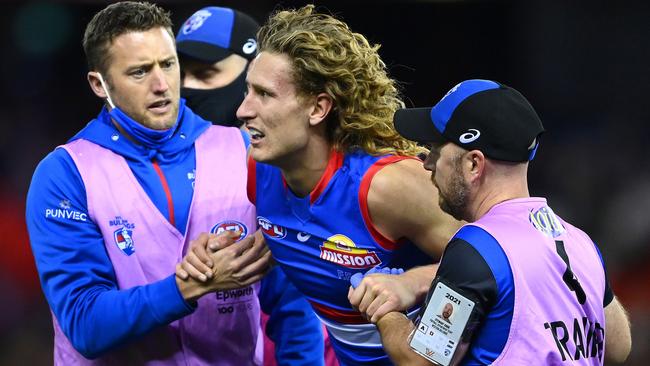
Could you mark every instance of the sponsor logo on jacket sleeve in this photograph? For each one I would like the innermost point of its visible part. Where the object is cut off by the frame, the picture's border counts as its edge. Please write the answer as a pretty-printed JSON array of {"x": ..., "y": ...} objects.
[{"x": 65, "y": 211}]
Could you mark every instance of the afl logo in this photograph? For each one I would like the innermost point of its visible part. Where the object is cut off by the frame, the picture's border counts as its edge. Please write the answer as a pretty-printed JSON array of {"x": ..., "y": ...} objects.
[
  {"x": 271, "y": 229},
  {"x": 230, "y": 225}
]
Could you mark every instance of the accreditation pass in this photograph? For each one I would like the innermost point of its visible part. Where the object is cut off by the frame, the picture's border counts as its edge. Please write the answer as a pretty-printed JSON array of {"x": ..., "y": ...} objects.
[{"x": 437, "y": 335}]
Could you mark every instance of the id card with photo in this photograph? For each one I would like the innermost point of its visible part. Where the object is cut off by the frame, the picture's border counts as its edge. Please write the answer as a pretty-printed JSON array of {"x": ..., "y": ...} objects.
[{"x": 436, "y": 337}]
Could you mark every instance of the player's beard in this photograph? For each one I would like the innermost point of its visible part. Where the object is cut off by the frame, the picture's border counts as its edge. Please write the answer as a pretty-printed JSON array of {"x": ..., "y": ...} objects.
[{"x": 453, "y": 199}]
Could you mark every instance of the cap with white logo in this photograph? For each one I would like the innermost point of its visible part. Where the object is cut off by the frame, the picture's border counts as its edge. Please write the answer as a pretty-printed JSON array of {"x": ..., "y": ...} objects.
[
  {"x": 214, "y": 33},
  {"x": 477, "y": 115}
]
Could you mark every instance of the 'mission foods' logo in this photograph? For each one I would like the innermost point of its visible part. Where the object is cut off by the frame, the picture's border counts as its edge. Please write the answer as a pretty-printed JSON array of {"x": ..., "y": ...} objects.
[{"x": 341, "y": 250}]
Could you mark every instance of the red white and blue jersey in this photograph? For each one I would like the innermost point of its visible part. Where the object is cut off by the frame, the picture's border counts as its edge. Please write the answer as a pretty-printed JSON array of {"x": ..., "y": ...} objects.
[{"x": 323, "y": 239}]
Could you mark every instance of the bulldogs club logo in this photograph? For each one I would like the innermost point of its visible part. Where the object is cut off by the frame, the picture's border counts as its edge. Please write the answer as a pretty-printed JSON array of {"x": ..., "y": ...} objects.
[
  {"x": 196, "y": 21},
  {"x": 124, "y": 240},
  {"x": 230, "y": 225},
  {"x": 341, "y": 250},
  {"x": 270, "y": 229}
]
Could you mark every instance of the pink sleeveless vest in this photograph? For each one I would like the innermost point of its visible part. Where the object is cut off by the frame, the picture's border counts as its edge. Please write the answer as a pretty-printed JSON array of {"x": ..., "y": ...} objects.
[
  {"x": 144, "y": 247},
  {"x": 550, "y": 325}
]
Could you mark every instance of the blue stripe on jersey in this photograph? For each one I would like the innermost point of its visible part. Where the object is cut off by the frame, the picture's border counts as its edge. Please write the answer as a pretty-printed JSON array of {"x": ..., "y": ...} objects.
[
  {"x": 602, "y": 261},
  {"x": 609, "y": 294},
  {"x": 492, "y": 336}
]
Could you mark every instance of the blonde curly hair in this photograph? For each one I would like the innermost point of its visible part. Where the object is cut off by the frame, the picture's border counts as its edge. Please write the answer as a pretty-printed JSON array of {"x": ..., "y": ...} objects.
[{"x": 326, "y": 56}]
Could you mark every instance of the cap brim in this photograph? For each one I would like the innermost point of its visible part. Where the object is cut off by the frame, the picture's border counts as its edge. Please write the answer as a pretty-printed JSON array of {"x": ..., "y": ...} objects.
[
  {"x": 415, "y": 124},
  {"x": 202, "y": 51}
]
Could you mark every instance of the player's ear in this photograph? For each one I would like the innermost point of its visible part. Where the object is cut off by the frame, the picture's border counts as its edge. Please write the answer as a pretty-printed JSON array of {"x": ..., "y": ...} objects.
[{"x": 322, "y": 105}]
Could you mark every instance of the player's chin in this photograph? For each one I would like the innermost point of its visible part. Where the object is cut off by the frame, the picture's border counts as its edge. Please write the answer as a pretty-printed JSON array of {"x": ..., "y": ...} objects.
[{"x": 258, "y": 154}]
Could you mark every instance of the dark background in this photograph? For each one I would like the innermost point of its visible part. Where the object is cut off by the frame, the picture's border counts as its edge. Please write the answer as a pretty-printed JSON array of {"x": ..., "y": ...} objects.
[{"x": 584, "y": 66}]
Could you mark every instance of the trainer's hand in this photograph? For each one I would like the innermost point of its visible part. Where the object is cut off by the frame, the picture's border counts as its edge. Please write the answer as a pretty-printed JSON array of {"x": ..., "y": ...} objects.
[
  {"x": 378, "y": 294},
  {"x": 234, "y": 266},
  {"x": 197, "y": 262}
]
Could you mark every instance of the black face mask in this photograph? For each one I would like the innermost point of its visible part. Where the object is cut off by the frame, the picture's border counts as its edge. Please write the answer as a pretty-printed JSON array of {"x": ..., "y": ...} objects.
[{"x": 218, "y": 105}]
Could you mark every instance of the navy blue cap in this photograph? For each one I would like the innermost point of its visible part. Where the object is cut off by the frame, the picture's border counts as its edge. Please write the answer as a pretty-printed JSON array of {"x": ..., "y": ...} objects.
[
  {"x": 477, "y": 115},
  {"x": 214, "y": 33}
]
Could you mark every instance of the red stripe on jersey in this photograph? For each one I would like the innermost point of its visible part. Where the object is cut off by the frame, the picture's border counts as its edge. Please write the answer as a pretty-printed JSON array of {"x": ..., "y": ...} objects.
[
  {"x": 364, "y": 187},
  {"x": 341, "y": 316},
  {"x": 333, "y": 165}
]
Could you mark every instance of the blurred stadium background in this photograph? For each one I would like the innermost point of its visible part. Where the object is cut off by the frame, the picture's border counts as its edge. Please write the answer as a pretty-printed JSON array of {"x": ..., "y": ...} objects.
[{"x": 583, "y": 65}]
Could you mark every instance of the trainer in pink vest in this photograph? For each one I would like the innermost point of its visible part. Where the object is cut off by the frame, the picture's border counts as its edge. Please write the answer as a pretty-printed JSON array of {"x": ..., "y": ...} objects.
[
  {"x": 551, "y": 324},
  {"x": 144, "y": 247}
]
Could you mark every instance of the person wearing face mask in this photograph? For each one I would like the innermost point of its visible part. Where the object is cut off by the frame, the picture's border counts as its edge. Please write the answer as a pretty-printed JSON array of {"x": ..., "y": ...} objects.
[{"x": 215, "y": 46}]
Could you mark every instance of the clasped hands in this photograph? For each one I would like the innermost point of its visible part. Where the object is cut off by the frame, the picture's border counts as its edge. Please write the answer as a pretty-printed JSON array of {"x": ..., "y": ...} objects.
[{"x": 220, "y": 262}]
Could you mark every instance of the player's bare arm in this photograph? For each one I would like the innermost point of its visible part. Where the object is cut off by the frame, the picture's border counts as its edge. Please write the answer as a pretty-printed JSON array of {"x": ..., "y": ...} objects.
[{"x": 403, "y": 204}]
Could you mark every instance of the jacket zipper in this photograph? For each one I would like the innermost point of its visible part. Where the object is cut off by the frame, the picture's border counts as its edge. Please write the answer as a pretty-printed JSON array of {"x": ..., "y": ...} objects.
[{"x": 168, "y": 193}]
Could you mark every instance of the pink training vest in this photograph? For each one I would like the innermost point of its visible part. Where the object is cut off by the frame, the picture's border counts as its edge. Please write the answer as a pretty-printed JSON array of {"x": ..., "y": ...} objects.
[
  {"x": 549, "y": 325},
  {"x": 131, "y": 223}
]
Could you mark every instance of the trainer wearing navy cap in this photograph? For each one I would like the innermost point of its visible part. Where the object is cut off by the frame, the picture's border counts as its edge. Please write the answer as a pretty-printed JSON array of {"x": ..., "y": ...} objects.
[
  {"x": 215, "y": 45},
  {"x": 526, "y": 286}
]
